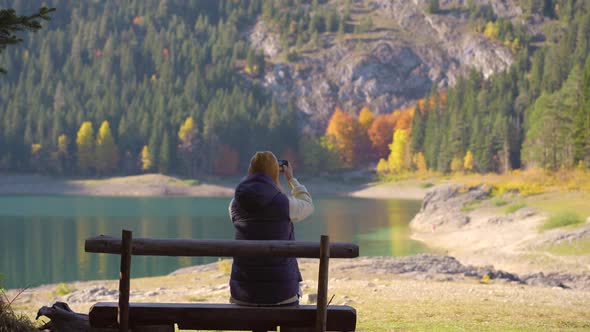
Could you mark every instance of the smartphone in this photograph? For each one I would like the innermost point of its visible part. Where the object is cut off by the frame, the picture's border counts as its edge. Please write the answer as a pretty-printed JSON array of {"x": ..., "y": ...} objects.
[{"x": 282, "y": 163}]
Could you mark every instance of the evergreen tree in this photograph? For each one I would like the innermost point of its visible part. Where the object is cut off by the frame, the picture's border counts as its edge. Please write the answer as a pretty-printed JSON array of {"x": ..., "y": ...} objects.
[
  {"x": 418, "y": 130},
  {"x": 165, "y": 159},
  {"x": 11, "y": 24}
]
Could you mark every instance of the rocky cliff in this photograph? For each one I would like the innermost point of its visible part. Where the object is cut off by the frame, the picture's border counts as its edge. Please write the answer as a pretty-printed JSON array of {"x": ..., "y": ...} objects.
[{"x": 406, "y": 52}]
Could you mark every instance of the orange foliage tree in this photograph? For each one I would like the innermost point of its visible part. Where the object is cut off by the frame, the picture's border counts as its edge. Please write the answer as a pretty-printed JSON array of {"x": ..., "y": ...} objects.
[
  {"x": 380, "y": 133},
  {"x": 404, "y": 122},
  {"x": 344, "y": 134}
]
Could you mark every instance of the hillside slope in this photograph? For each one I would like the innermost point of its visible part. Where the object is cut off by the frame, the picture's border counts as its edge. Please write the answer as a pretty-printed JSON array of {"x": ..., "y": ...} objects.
[{"x": 402, "y": 55}]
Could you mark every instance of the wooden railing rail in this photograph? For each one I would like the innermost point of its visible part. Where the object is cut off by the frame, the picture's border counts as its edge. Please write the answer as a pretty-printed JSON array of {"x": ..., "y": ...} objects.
[{"x": 219, "y": 248}]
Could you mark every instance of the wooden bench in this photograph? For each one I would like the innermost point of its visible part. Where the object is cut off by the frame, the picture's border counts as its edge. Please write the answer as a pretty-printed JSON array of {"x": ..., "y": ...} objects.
[{"x": 138, "y": 316}]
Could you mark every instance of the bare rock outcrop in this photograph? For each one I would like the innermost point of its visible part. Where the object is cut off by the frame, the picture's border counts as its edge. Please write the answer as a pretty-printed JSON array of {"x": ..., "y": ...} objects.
[
  {"x": 447, "y": 268},
  {"x": 387, "y": 68},
  {"x": 442, "y": 207}
]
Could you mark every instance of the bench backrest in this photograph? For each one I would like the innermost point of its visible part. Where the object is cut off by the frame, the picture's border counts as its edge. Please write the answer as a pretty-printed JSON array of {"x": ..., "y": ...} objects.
[{"x": 126, "y": 247}]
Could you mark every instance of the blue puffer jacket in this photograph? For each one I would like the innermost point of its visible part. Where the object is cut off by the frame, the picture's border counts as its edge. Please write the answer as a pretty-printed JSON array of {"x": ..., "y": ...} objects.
[{"x": 260, "y": 211}]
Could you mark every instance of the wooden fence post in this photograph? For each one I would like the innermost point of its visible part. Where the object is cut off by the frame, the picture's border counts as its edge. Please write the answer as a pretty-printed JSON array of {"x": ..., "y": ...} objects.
[
  {"x": 322, "y": 302},
  {"x": 125, "y": 275}
]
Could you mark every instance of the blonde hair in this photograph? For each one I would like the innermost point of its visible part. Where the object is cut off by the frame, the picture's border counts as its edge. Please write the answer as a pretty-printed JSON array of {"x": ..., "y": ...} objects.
[{"x": 265, "y": 162}]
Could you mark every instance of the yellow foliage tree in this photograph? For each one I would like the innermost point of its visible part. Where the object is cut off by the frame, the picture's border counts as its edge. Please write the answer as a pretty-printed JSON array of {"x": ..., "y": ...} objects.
[
  {"x": 187, "y": 149},
  {"x": 419, "y": 162},
  {"x": 366, "y": 118},
  {"x": 399, "y": 158},
  {"x": 186, "y": 129},
  {"x": 85, "y": 145},
  {"x": 62, "y": 144},
  {"x": 468, "y": 161},
  {"x": 382, "y": 166},
  {"x": 106, "y": 150},
  {"x": 35, "y": 149},
  {"x": 146, "y": 159},
  {"x": 456, "y": 164}
]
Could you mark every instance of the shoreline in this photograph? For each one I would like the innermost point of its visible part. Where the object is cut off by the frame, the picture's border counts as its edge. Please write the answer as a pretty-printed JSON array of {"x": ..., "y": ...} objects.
[
  {"x": 158, "y": 185},
  {"x": 505, "y": 231},
  {"x": 416, "y": 293}
]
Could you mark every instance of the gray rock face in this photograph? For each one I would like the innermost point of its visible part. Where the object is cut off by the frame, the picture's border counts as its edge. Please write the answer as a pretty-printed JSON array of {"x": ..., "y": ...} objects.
[
  {"x": 447, "y": 268},
  {"x": 93, "y": 294},
  {"x": 442, "y": 206},
  {"x": 397, "y": 65}
]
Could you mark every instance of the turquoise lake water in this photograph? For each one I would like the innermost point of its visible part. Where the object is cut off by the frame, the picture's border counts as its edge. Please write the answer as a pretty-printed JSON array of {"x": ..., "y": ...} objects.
[{"x": 42, "y": 237}]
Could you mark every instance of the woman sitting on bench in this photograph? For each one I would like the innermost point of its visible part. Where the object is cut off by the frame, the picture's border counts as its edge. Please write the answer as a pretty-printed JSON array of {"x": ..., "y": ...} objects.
[{"x": 261, "y": 211}]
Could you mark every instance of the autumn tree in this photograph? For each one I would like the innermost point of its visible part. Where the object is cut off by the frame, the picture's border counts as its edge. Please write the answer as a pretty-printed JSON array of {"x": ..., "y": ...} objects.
[
  {"x": 404, "y": 121},
  {"x": 382, "y": 167},
  {"x": 399, "y": 158},
  {"x": 85, "y": 147},
  {"x": 343, "y": 132},
  {"x": 456, "y": 164},
  {"x": 188, "y": 144},
  {"x": 366, "y": 118},
  {"x": 468, "y": 161},
  {"x": 107, "y": 156},
  {"x": 380, "y": 133},
  {"x": 146, "y": 159}
]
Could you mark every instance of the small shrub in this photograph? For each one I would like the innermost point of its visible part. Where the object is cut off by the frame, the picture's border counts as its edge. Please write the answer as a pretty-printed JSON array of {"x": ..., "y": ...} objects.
[
  {"x": 426, "y": 185},
  {"x": 499, "y": 202},
  {"x": 485, "y": 279},
  {"x": 514, "y": 207},
  {"x": 62, "y": 289},
  {"x": 224, "y": 266},
  {"x": 562, "y": 219}
]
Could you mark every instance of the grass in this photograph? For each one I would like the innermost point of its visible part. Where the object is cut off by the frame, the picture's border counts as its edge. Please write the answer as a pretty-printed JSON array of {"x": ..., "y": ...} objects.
[
  {"x": 570, "y": 248},
  {"x": 11, "y": 321},
  {"x": 426, "y": 185},
  {"x": 530, "y": 182},
  {"x": 557, "y": 202},
  {"x": 499, "y": 202},
  {"x": 402, "y": 304},
  {"x": 562, "y": 219},
  {"x": 514, "y": 207}
]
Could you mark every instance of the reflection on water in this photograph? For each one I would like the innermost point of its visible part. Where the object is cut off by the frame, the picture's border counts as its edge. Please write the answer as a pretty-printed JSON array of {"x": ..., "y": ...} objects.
[{"x": 42, "y": 237}]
